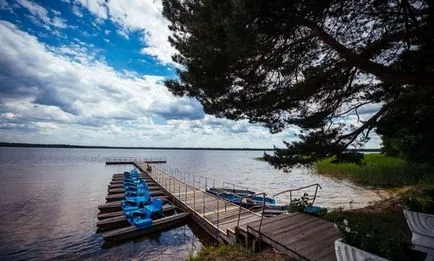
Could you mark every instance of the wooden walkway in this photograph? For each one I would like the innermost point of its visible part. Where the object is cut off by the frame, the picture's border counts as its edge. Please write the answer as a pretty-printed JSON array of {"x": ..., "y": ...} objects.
[
  {"x": 300, "y": 236},
  {"x": 217, "y": 216}
]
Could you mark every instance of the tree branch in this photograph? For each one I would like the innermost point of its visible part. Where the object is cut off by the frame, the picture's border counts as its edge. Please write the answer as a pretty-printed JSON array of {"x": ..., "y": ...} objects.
[{"x": 366, "y": 65}]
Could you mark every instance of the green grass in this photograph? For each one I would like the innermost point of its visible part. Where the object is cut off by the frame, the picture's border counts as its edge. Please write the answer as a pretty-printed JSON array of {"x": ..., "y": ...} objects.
[
  {"x": 221, "y": 252},
  {"x": 375, "y": 170}
]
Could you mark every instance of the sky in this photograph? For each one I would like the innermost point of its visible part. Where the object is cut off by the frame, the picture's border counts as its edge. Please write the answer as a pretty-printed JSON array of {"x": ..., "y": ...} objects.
[{"x": 91, "y": 72}]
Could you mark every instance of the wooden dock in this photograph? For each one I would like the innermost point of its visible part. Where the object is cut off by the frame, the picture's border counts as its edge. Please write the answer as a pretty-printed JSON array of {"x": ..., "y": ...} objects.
[
  {"x": 131, "y": 160},
  {"x": 112, "y": 218},
  {"x": 300, "y": 236}
]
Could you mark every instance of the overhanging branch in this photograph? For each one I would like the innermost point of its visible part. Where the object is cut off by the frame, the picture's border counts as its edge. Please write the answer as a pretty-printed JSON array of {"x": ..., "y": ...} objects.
[{"x": 366, "y": 65}]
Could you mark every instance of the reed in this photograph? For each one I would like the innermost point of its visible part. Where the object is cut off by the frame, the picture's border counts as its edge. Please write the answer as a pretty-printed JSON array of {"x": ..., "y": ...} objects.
[{"x": 375, "y": 170}]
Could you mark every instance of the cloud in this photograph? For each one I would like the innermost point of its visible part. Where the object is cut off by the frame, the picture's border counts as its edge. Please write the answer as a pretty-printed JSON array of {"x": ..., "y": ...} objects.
[
  {"x": 40, "y": 15},
  {"x": 142, "y": 16},
  {"x": 186, "y": 109},
  {"x": 4, "y": 5},
  {"x": 96, "y": 7},
  {"x": 77, "y": 11},
  {"x": 72, "y": 84}
]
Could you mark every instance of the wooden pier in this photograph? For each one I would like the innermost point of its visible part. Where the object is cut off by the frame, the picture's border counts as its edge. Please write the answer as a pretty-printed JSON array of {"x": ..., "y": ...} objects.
[
  {"x": 300, "y": 236},
  {"x": 131, "y": 160},
  {"x": 118, "y": 228}
]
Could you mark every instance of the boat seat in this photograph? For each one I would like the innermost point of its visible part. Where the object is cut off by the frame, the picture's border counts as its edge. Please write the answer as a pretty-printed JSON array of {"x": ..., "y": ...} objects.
[
  {"x": 137, "y": 200},
  {"x": 141, "y": 222},
  {"x": 155, "y": 206}
]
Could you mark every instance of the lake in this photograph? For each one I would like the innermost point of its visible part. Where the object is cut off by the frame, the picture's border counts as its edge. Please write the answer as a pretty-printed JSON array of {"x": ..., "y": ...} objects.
[{"x": 49, "y": 199}]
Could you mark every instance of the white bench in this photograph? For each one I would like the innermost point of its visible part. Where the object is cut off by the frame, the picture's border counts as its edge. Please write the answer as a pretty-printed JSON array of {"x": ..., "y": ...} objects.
[{"x": 422, "y": 229}]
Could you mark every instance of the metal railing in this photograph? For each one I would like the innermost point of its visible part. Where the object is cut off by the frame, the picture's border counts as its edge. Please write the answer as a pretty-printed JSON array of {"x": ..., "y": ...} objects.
[
  {"x": 134, "y": 159},
  {"x": 174, "y": 186},
  {"x": 296, "y": 189},
  {"x": 262, "y": 215},
  {"x": 197, "y": 181}
]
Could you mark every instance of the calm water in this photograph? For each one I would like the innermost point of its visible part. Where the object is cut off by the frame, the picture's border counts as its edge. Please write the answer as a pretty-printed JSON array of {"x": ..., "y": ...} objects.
[{"x": 49, "y": 199}]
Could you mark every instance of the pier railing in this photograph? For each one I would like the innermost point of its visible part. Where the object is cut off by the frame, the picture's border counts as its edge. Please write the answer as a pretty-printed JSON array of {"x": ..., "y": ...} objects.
[
  {"x": 197, "y": 181},
  {"x": 172, "y": 181},
  {"x": 135, "y": 159},
  {"x": 290, "y": 191}
]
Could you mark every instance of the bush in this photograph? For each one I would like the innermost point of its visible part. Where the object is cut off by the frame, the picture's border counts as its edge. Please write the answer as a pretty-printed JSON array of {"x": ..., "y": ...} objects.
[{"x": 421, "y": 199}]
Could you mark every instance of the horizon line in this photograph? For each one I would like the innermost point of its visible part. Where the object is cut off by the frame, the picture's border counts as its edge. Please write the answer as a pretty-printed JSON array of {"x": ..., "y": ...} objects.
[{"x": 37, "y": 145}]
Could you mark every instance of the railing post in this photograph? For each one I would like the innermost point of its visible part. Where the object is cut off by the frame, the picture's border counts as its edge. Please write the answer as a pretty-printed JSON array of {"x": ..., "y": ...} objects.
[
  {"x": 217, "y": 212},
  {"x": 203, "y": 204},
  {"x": 179, "y": 190},
  {"x": 185, "y": 194},
  {"x": 260, "y": 222},
  {"x": 194, "y": 198}
]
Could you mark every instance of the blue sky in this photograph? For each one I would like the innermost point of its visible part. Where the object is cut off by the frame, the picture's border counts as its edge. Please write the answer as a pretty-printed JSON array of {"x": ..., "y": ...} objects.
[{"x": 91, "y": 72}]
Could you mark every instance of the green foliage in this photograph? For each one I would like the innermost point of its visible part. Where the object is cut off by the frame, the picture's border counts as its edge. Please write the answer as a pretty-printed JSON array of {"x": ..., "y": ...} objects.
[
  {"x": 223, "y": 252},
  {"x": 336, "y": 215},
  {"x": 375, "y": 170},
  {"x": 406, "y": 132},
  {"x": 306, "y": 63},
  {"x": 421, "y": 199},
  {"x": 299, "y": 204}
]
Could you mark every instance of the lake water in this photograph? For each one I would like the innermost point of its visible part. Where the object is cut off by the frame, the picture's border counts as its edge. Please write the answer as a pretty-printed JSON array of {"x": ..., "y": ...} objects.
[{"x": 49, "y": 199}]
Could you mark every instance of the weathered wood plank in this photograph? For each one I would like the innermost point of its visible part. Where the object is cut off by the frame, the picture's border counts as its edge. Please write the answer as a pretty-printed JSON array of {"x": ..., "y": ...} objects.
[
  {"x": 291, "y": 227},
  {"x": 307, "y": 234},
  {"x": 323, "y": 239},
  {"x": 255, "y": 225},
  {"x": 325, "y": 252}
]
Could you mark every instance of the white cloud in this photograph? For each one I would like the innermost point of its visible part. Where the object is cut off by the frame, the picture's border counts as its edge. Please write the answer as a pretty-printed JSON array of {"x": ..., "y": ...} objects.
[
  {"x": 40, "y": 15},
  {"x": 77, "y": 11},
  {"x": 136, "y": 15},
  {"x": 4, "y": 5},
  {"x": 59, "y": 22},
  {"x": 96, "y": 7},
  {"x": 8, "y": 115},
  {"x": 46, "y": 125}
]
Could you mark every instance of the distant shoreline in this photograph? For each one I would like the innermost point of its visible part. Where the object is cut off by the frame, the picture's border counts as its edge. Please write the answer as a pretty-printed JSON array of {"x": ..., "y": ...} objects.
[{"x": 30, "y": 145}]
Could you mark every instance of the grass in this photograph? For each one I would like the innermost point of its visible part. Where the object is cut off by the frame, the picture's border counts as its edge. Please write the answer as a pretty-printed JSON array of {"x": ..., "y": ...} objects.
[
  {"x": 375, "y": 170},
  {"x": 224, "y": 252}
]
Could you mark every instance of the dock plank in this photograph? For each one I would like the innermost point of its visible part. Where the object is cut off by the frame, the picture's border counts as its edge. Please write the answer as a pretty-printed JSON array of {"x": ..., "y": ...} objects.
[{"x": 301, "y": 236}]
